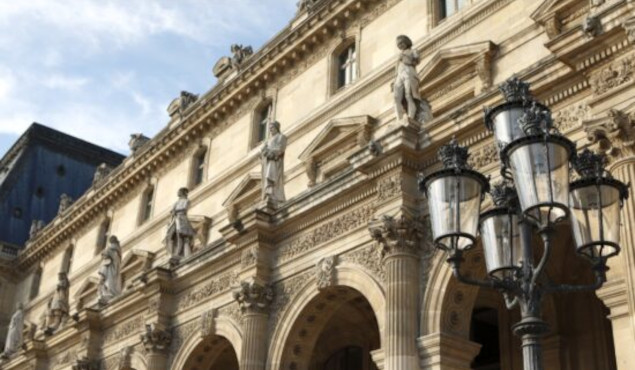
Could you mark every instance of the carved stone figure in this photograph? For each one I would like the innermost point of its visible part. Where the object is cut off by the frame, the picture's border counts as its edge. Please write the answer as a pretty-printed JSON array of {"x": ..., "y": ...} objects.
[
  {"x": 178, "y": 239},
  {"x": 110, "y": 271},
  {"x": 101, "y": 172},
  {"x": 241, "y": 53},
  {"x": 57, "y": 307},
  {"x": 14, "y": 336},
  {"x": 180, "y": 104},
  {"x": 406, "y": 86},
  {"x": 324, "y": 271},
  {"x": 137, "y": 141},
  {"x": 272, "y": 158},
  {"x": 592, "y": 26},
  {"x": 65, "y": 202},
  {"x": 306, "y": 5}
]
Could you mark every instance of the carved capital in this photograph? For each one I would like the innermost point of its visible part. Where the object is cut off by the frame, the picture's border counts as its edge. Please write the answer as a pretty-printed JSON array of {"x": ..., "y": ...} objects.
[
  {"x": 156, "y": 339},
  {"x": 253, "y": 297},
  {"x": 396, "y": 234},
  {"x": 325, "y": 272},
  {"x": 613, "y": 135}
]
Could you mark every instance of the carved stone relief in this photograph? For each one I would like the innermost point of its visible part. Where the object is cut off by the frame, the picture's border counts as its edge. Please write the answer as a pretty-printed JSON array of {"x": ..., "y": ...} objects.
[
  {"x": 389, "y": 187},
  {"x": 199, "y": 293},
  {"x": 253, "y": 296},
  {"x": 121, "y": 331},
  {"x": 396, "y": 234},
  {"x": 284, "y": 291},
  {"x": 615, "y": 74},
  {"x": 613, "y": 134},
  {"x": 483, "y": 156},
  {"x": 325, "y": 272},
  {"x": 571, "y": 117},
  {"x": 369, "y": 258},
  {"x": 155, "y": 338},
  {"x": 326, "y": 232}
]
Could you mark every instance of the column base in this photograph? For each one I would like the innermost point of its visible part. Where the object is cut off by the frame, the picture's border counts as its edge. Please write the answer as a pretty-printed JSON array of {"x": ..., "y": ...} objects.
[{"x": 446, "y": 351}]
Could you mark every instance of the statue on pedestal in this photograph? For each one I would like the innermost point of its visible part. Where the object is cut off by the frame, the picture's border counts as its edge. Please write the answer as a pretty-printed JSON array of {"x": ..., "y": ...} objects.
[
  {"x": 272, "y": 158},
  {"x": 14, "y": 336},
  {"x": 110, "y": 271},
  {"x": 180, "y": 234},
  {"x": 406, "y": 85}
]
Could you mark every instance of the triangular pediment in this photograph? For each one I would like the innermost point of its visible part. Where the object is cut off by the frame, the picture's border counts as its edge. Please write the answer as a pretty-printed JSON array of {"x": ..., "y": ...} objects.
[
  {"x": 453, "y": 62},
  {"x": 89, "y": 285},
  {"x": 247, "y": 186},
  {"x": 137, "y": 260},
  {"x": 336, "y": 131},
  {"x": 551, "y": 12},
  {"x": 549, "y": 8}
]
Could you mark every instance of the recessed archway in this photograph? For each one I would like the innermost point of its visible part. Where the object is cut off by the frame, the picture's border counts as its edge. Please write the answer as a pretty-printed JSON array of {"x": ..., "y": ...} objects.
[
  {"x": 212, "y": 353},
  {"x": 335, "y": 330}
]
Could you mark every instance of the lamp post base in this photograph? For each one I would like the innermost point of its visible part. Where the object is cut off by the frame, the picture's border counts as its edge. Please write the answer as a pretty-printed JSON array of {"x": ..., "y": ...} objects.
[{"x": 531, "y": 330}]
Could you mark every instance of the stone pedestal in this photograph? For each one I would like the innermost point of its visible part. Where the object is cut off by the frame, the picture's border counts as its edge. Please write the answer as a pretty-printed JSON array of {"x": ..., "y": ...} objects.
[
  {"x": 254, "y": 300},
  {"x": 399, "y": 240}
]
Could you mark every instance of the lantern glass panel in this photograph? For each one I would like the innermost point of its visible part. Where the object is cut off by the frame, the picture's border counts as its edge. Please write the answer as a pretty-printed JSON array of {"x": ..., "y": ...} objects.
[
  {"x": 501, "y": 245},
  {"x": 595, "y": 218},
  {"x": 541, "y": 173},
  {"x": 505, "y": 125},
  {"x": 454, "y": 203}
]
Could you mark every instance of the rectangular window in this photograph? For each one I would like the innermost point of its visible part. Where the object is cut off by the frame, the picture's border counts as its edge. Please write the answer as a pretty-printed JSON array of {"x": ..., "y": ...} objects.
[
  {"x": 449, "y": 7},
  {"x": 347, "y": 67},
  {"x": 35, "y": 283},
  {"x": 264, "y": 116},
  {"x": 199, "y": 168}
]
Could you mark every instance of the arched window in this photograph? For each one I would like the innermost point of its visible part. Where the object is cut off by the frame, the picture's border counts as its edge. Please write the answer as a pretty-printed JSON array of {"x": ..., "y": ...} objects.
[
  {"x": 102, "y": 235},
  {"x": 35, "y": 283},
  {"x": 198, "y": 167},
  {"x": 347, "y": 66},
  {"x": 262, "y": 116},
  {"x": 147, "y": 202}
]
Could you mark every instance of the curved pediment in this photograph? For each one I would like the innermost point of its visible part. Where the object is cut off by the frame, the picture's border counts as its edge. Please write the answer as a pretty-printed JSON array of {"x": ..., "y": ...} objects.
[{"x": 329, "y": 151}]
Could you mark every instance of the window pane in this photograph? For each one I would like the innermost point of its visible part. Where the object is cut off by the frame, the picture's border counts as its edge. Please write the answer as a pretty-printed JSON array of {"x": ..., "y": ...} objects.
[{"x": 199, "y": 168}]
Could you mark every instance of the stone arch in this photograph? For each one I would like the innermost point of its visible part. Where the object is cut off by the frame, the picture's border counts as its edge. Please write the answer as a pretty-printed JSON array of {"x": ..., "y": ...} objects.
[
  {"x": 223, "y": 327},
  {"x": 347, "y": 275}
]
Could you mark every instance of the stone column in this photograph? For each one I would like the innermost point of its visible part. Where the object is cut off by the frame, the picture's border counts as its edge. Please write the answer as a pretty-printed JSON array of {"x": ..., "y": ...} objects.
[
  {"x": 254, "y": 300},
  {"x": 613, "y": 135},
  {"x": 399, "y": 240},
  {"x": 156, "y": 341}
]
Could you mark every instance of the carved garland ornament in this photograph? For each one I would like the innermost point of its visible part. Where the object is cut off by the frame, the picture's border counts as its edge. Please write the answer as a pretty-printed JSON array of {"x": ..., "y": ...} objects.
[
  {"x": 216, "y": 285},
  {"x": 389, "y": 187},
  {"x": 124, "y": 330},
  {"x": 370, "y": 258},
  {"x": 571, "y": 117},
  {"x": 613, "y": 75}
]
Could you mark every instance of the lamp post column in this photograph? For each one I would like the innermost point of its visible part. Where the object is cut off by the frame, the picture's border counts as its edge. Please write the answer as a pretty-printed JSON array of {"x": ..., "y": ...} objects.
[{"x": 399, "y": 240}]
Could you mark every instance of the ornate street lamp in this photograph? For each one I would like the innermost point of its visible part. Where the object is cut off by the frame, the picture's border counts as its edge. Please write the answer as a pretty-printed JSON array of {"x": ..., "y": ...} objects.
[{"x": 534, "y": 196}]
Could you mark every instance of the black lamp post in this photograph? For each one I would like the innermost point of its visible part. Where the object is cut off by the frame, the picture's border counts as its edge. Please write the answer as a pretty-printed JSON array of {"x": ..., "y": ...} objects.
[{"x": 534, "y": 196}]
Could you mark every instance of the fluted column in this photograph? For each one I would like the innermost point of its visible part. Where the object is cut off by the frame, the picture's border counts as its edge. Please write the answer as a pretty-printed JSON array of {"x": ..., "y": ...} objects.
[
  {"x": 156, "y": 341},
  {"x": 619, "y": 291},
  {"x": 399, "y": 240},
  {"x": 254, "y": 300}
]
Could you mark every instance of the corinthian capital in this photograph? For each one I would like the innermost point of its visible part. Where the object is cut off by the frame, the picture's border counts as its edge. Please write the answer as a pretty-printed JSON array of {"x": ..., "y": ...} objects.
[
  {"x": 156, "y": 339},
  {"x": 613, "y": 134},
  {"x": 253, "y": 297},
  {"x": 396, "y": 234}
]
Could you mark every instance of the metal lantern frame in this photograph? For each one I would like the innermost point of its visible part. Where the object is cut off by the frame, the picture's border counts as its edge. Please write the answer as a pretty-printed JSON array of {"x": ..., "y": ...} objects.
[{"x": 537, "y": 207}]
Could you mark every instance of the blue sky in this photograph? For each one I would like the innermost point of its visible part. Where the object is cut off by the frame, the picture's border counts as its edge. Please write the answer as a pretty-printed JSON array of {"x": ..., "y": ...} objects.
[{"x": 103, "y": 69}]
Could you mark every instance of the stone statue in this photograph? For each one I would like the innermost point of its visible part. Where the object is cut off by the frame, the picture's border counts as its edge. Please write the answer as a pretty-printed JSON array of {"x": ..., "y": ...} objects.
[
  {"x": 272, "y": 158},
  {"x": 65, "y": 202},
  {"x": 110, "y": 271},
  {"x": 178, "y": 239},
  {"x": 241, "y": 53},
  {"x": 36, "y": 226},
  {"x": 14, "y": 336},
  {"x": 57, "y": 307},
  {"x": 137, "y": 141},
  {"x": 406, "y": 86},
  {"x": 101, "y": 172}
]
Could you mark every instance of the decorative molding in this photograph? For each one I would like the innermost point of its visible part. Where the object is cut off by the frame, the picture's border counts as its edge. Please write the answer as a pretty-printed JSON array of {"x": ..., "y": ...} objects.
[
  {"x": 325, "y": 272},
  {"x": 615, "y": 74},
  {"x": 121, "y": 331},
  {"x": 249, "y": 257},
  {"x": 389, "y": 186},
  {"x": 629, "y": 28},
  {"x": 326, "y": 232},
  {"x": 483, "y": 156},
  {"x": 284, "y": 291},
  {"x": 216, "y": 285},
  {"x": 207, "y": 323},
  {"x": 571, "y": 117},
  {"x": 181, "y": 333},
  {"x": 231, "y": 311},
  {"x": 370, "y": 258}
]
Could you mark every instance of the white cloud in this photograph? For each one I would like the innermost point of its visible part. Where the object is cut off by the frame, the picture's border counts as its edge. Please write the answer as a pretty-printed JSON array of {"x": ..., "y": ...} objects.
[{"x": 62, "y": 82}]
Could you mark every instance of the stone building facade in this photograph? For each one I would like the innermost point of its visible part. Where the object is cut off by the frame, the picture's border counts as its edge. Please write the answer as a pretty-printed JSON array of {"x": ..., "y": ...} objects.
[{"x": 342, "y": 274}]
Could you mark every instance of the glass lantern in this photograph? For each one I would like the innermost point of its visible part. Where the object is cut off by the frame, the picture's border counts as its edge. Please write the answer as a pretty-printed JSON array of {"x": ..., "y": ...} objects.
[
  {"x": 595, "y": 201},
  {"x": 500, "y": 235},
  {"x": 454, "y": 199}
]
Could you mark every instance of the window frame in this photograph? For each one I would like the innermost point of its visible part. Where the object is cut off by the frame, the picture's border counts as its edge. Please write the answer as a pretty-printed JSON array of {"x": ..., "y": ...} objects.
[
  {"x": 36, "y": 282},
  {"x": 267, "y": 103},
  {"x": 198, "y": 167},
  {"x": 347, "y": 41},
  {"x": 146, "y": 208}
]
